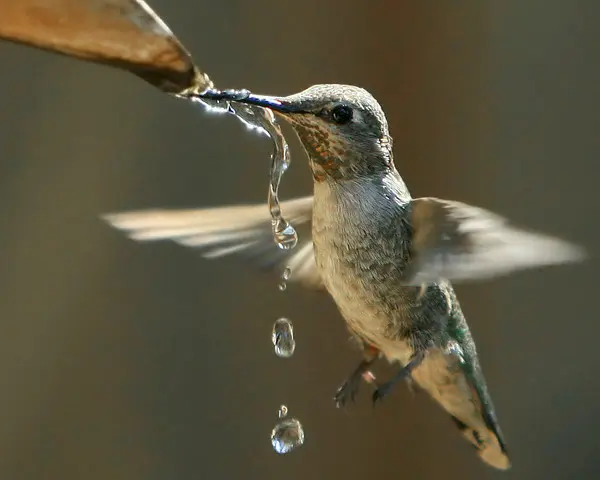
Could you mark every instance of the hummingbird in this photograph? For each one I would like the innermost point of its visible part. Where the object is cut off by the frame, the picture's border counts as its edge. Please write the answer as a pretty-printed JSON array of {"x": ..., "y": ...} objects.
[{"x": 386, "y": 259}]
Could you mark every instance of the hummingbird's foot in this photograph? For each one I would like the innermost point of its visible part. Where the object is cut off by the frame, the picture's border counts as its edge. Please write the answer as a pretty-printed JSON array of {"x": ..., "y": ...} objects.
[
  {"x": 403, "y": 374},
  {"x": 349, "y": 389}
]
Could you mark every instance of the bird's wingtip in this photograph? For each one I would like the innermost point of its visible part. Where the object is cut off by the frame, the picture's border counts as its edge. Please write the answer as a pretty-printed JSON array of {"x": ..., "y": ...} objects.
[
  {"x": 113, "y": 219},
  {"x": 579, "y": 254},
  {"x": 128, "y": 223},
  {"x": 566, "y": 252},
  {"x": 136, "y": 220}
]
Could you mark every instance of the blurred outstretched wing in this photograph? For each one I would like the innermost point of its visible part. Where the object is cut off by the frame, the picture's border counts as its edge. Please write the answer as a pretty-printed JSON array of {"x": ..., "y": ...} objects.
[
  {"x": 459, "y": 242},
  {"x": 243, "y": 230}
]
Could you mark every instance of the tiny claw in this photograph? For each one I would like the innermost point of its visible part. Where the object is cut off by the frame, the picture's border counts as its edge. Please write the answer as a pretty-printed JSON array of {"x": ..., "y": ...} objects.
[
  {"x": 349, "y": 389},
  {"x": 381, "y": 392},
  {"x": 346, "y": 393}
]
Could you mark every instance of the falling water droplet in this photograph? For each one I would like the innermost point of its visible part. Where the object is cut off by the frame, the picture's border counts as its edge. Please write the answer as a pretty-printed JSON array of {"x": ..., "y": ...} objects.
[
  {"x": 284, "y": 234},
  {"x": 283, "y": 338},
  {"x": 285, "y": 276},
  {"x": 283, "y": 411},
  {"x": 287, "y": 435},
  {"x": 287, "y": 273}
]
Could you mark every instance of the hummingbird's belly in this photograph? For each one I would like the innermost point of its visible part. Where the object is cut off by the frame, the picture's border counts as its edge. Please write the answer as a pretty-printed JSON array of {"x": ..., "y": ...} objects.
[{"x": 370, "y": 311}]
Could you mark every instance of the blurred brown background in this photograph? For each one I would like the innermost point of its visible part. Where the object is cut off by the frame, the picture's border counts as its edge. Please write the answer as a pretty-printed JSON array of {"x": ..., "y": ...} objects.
[{"x": 128, "y": 361}]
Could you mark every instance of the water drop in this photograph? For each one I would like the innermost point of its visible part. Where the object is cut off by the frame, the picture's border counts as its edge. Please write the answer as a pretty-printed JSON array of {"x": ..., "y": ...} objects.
[
  {"x": 283, "y": 411},
  {"x": 285, "y": 276},
  {"x": 287, "y": 435},
  {"x": 283, "y": 338},
  {"x": 287, "y": 273},
  {"x": 284, "y": 234}
]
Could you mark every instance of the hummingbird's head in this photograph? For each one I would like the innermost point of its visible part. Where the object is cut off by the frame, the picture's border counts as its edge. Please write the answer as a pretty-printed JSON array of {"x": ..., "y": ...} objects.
[{"x": 343, "y": 129}]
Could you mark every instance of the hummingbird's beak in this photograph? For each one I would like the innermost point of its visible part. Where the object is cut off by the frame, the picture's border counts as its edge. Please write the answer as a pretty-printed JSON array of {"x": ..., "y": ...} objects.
[{"x": 278, "y": 105}]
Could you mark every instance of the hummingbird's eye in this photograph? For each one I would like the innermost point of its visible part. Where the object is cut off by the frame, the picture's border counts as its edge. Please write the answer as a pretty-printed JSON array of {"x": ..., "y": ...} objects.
[{"x": 341, "y": 114}]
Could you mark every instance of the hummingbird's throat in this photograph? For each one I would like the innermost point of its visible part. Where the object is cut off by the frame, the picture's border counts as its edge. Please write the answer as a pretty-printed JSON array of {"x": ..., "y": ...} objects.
[
  {"x": 323, "y": 171},
  {"x": 327, "y": 156},
  {"x": 329, "y": 161}
]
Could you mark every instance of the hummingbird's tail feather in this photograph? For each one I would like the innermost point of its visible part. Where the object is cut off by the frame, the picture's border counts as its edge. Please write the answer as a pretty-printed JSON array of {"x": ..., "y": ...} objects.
[
  {"x": 458, "y": 386},
  {"x": 244, "y": 230},
  {"x": 493, "y": 452}
]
